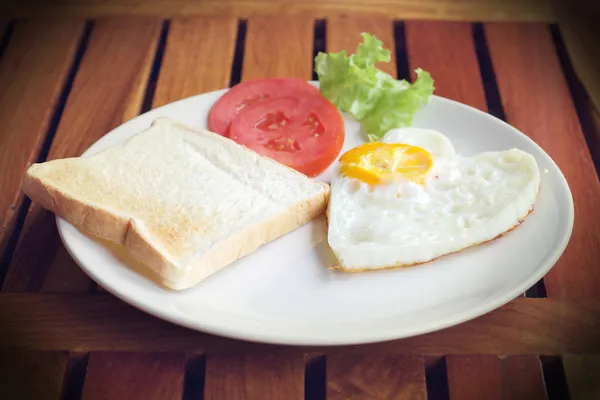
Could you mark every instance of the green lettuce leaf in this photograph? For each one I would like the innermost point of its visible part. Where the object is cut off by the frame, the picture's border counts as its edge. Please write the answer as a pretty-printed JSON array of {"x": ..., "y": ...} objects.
[
  {"x": 355, "y": 86},
  {"x": 397, "y": 106}
]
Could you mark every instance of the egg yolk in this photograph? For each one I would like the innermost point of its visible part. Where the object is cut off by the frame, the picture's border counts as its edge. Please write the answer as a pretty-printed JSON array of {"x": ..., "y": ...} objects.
[{"x": 377, "y": 162}]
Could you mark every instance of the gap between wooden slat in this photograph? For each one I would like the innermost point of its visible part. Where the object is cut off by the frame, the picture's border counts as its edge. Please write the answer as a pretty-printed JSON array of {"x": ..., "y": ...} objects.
[
  {"x": 74, "y": 376},
  {"x": 33, "y": 71},
  {"x": 525, "y": 62},
  {"x": 319, "y": 43},
  {"x": 488, "y": 77},
  {"x": 315, "y": 386},
  {"x": 6, "y": 28},
  {"x": 554, "y": 377},
  {"x": 32, "y": 374},
  {"x": 238, "y": 56},
  {"x": 107, "y": 90},
  {"x": 155, "y": 69},
  {"x": 402, "y": 69},
  {"x": 436, "y": 378},
  {"x": 193, "y": 383}
]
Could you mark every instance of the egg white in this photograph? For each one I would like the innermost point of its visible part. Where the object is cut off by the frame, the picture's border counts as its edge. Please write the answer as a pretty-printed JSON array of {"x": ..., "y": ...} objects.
[{"x": 463, "y": 202}]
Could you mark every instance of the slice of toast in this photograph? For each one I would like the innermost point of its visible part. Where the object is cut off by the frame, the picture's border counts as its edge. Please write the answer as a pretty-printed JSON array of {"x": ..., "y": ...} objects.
[{"x": 183, "y": 202}]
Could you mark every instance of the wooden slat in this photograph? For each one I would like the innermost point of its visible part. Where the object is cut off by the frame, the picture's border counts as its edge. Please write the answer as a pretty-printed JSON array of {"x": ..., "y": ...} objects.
[
  {"x": 107, "y": 90},
  {"x": 578, "y": 23},
  {"x": 466, "y": 10},
  {"x": 375, "y": 377},
  {"x": 582, "y": 373},
  {"x": 537, "y": 101},
  {"x": 524, "y": 378},
  {"x": 446, "y": 50},
  {"x": 33, "y": 69},
  {"x": 278, "y": 47},
  {"x": 101, "y": 322},
  {"x": 475, "y": 377},
  {"x": 260, "y": 377},
  {"x": 144, "y": 376},
  {"x": 343, "y": 33},
  {"x": 197, "y": 59},
  {"x": 32, "y": 374}
]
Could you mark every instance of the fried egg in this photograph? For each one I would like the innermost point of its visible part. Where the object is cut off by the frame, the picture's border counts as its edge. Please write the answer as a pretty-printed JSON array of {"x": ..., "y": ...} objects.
[{"x": 410, "y": 199}]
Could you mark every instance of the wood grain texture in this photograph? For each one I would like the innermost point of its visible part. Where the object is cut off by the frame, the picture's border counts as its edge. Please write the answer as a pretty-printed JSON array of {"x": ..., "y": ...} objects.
[
  {"x": 343, "y": 33},
  {"x": 278, "y": 47},
  {"x": 526, "y": 64},
  {"x": 33, "y": 69},
  {"x": 108, "y": 90},
  {"x": 254, "y": 377},
  {"x": 475, "y": 377},
  {"x": 446, "y": 50},
  {"x": 481, "y": 10},
  {"x": 197, "y": 59},
  {"x": 144, "y": 376},
  {"x": 524, "y": 378},
  {"x": 367, "y": 377},
  {"x": 101, "y": 322},
  {"x": 32, "y": 374},
  {"x": 582, "y": 374},
  {"x": 578, "y": 22}
]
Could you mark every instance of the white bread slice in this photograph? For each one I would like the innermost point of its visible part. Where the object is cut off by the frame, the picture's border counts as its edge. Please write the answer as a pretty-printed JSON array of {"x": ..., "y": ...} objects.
[{"x": 183, "y": 202}]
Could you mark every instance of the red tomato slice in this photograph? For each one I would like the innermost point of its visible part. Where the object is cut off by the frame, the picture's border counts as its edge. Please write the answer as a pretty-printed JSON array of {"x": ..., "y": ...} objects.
[
  {"x": 248, "y": 92},
  {"x": 305, "y": 133}
]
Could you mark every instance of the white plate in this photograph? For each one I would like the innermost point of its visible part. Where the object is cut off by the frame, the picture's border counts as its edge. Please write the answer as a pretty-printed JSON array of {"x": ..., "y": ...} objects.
[{"x": 283, "y": 294}]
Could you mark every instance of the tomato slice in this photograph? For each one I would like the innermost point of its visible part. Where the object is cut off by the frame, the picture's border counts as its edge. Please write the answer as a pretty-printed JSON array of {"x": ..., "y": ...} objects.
[
  {"x": 248, "y": 92},
  {"x": 305, "y": 133}
]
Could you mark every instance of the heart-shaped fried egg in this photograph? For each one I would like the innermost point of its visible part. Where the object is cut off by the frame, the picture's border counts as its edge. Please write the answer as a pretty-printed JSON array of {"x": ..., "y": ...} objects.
[{"x": 410, "y": 199}]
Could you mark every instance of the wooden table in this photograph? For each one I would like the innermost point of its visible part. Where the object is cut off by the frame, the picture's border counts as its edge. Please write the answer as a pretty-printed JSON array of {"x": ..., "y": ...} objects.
[{"x": 65, "y": 82}]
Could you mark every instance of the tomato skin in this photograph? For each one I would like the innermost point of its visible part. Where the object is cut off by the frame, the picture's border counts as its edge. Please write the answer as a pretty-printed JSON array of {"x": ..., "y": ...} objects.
[
  {"x": 243, "y": 94},
  {"x": 305, "y": 133}
]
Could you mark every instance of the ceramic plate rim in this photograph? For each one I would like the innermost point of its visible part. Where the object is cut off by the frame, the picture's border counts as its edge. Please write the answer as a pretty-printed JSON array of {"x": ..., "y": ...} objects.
[{"x": 321, "y": 339}]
